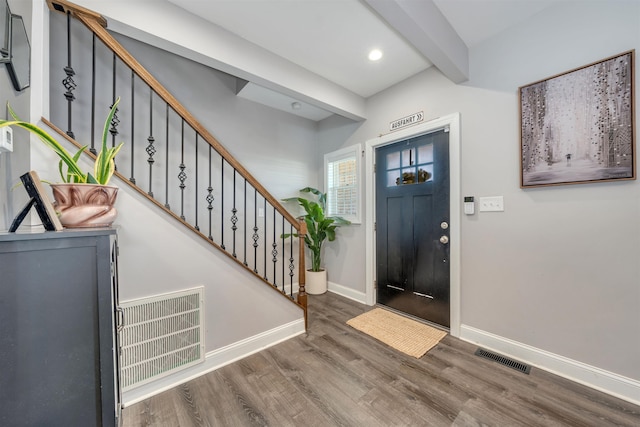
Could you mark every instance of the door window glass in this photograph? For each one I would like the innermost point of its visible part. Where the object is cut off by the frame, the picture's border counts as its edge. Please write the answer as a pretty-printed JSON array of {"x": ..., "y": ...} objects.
[{"x": 410, "y": 165}]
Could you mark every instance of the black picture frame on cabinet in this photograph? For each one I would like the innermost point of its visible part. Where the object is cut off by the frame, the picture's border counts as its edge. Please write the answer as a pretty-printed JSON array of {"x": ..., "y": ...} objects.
[{"x": 37, "y": 198}]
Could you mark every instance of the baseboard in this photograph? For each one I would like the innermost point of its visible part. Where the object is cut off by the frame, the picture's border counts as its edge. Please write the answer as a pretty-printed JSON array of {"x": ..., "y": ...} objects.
[
  {"x": 215, "y": 360},
  {"x": 341, "y": 290},
  {"x": 608, "y": 382},
  {"x": 352, "y": 294}
]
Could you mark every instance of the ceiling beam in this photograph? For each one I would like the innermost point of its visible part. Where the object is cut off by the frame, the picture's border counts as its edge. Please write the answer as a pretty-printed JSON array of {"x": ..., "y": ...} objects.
[{"x": 427, "y": 29}]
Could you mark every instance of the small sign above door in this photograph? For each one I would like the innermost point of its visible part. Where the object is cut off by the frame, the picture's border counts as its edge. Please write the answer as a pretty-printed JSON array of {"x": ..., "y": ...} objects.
[{"x": 406, "y": 121}]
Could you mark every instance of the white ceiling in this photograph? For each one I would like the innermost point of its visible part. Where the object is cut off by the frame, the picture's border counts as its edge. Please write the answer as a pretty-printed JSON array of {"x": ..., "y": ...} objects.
[{"x": 332, "y": 38}]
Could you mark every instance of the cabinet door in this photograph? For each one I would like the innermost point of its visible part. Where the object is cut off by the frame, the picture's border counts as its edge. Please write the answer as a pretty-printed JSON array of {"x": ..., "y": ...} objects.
[
  {"x": 57, "y": 335},
  {"x": 49, "y": 329}
]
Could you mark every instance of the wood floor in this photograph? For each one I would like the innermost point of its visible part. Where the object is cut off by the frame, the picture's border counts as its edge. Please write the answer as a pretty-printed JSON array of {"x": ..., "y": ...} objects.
[{"x": 337, "y": 376}]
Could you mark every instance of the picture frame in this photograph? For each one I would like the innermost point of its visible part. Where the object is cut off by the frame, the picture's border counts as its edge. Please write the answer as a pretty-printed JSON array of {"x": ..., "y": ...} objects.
[
  {"x": 579, "y": 126},
  {"x": 37, "y": 198}
]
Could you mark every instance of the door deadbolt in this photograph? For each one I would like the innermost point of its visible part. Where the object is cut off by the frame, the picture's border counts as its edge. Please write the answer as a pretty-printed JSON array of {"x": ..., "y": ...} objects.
[
  {"x": 444, "y": 239},
  {"x": 444, "y": 225}
]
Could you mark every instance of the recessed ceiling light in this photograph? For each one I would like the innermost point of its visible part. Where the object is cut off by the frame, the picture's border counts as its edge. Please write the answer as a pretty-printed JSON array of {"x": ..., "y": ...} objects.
[{"x": 375, "y": 55}]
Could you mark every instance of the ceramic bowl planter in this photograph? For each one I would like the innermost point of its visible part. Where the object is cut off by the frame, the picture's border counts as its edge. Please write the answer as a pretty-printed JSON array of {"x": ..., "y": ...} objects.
[
  {"x": 85, "y": 205},
  {"x": 83, "y": 199}
]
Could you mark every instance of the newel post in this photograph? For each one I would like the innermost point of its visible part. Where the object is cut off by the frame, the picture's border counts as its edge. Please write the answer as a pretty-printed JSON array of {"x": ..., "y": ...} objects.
[{"x": 302, "y": 293}]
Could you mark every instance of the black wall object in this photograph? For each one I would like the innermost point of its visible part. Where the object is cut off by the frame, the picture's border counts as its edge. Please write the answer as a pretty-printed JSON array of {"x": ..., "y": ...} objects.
[
  {"x": 5, "y": 31},
  {"x": 19, "y": 65}
]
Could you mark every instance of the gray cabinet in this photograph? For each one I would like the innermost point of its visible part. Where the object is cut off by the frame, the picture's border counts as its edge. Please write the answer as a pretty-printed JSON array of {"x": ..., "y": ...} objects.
[{"x": 58, "y": 334}]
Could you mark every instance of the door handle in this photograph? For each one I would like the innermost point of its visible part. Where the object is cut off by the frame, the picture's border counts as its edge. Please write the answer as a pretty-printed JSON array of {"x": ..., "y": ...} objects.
[
  {"x": 444, "y": 240},
  {"x": 119, "y": 319}
]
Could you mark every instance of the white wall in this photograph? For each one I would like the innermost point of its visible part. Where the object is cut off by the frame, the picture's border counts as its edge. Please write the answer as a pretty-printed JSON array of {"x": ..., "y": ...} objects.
[
  {"x": 558, "y": 270},
  {"x": 14, "y": 164},
  {"x": 571, "y": 252},
  {"x": 157, "y": 256}
]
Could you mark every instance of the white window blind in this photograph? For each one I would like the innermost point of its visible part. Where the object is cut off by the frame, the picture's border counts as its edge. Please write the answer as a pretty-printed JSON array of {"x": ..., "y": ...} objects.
[{"x": 342, "y": 183}]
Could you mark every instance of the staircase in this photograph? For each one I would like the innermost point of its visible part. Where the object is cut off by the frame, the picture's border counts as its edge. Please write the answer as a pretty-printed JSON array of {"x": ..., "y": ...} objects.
[{"x": 170, "y": 158}]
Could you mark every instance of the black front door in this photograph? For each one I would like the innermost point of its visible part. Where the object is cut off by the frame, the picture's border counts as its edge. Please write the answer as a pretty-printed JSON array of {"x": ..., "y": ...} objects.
[{"x": 412, "y": 226}]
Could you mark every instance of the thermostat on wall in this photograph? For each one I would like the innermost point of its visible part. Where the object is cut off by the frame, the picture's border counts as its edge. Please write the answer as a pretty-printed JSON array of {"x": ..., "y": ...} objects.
[
  {"x": 469, "y": 205},
  {"x": 6, "y": 139}
]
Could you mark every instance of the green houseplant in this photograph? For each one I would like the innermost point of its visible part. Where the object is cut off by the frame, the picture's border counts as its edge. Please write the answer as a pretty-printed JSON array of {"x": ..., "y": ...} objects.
[
  {"x": 104, "y": 165},
  {"x": 320, "y": 228},
  {"x": 84, "y": 199}
]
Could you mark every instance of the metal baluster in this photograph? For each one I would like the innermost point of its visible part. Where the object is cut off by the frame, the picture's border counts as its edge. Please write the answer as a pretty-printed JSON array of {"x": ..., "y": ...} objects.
[
  {"x": 265, "y": 239},
  {"x": 133, "y": 79},
  {"x": 284, "y": 256},
  {"x": 196, "y": 190},
  {"x": 222, "y": 202},
  {"x": 182, "y": 176},
  {"x": 234, "y": 218},
  {"x": 114, "y": 123},
  {"x": 274, "y": 252},
  {"x": 93, "y": 95},
  {"x": 255, "y": 231},
  {"x": 68, "y": 82},
  {"x": 291, "y": 262},
  {"x": 210, "y": 195},
  {"x": 244, "y": 234},
  {"x": 151, "y": 149},
  {"x": 166, "y": 167}
]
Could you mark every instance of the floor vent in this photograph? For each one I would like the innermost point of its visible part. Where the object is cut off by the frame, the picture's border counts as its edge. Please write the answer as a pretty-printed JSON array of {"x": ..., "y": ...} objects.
[
  {"x": 161, "y": 335},
  {"x": 510, "y": 363}
]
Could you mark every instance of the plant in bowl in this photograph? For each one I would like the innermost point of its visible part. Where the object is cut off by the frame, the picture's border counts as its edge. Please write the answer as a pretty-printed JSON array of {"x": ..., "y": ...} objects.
[
  {"x": 84, "y": 199},
  {"x": 320, "y": 228}
]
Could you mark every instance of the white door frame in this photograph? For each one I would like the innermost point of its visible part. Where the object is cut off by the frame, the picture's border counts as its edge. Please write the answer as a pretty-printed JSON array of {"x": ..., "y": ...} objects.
[{"x": 452, "y": 122}]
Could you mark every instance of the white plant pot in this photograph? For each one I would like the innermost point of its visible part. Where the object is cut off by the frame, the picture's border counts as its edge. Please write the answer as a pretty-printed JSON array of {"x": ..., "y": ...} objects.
[{"x": 316, "y": 282}]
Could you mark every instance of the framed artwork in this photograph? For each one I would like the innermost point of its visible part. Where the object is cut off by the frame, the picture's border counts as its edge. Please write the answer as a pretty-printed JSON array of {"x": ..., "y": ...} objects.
[{"x": 579, "y": 126}]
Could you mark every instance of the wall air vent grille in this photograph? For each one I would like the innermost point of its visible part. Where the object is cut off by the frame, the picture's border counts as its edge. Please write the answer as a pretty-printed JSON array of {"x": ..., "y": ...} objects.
[
  {"x": 510, "y": 363},
  {"x": 161, "y": 335}
]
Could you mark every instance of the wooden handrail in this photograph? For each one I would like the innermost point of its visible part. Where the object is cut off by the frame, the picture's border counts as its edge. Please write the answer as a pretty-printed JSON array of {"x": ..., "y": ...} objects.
[
  {"x": 97, "y": 24},
  {"x": 76, "y": 11}
]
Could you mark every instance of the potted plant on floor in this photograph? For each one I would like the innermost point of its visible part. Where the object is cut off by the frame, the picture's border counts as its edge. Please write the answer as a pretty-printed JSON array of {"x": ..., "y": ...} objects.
[
  {"x": 320, "y": 228},
  {"x": 83, "y": 199}
]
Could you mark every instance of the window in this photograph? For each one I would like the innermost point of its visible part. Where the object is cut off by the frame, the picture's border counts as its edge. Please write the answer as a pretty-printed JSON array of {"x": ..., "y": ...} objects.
[{"x": 342, "y": 183}]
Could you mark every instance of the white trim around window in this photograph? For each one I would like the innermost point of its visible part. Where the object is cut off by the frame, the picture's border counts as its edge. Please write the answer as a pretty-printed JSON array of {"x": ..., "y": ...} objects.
[{"x": 343, "y": 183}]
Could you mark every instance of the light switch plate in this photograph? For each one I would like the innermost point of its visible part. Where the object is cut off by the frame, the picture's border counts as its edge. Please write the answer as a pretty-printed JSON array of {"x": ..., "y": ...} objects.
[
  {"x": 6, "y": 139},
  {"x": 492, "y": 204}
]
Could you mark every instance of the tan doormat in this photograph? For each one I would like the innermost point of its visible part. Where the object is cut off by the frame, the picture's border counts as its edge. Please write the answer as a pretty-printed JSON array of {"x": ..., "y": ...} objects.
[{"x": 403, "y": 334}]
